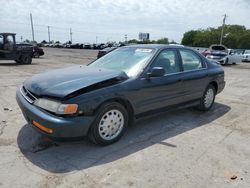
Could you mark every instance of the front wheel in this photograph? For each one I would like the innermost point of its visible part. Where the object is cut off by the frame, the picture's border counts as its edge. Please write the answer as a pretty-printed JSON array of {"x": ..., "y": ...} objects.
[
  {"x": 226, "y": 61},
  {"x": 26, "y": 59},
  {"x": 207, "y": 100},
  {"x": 110, "y": 124}
]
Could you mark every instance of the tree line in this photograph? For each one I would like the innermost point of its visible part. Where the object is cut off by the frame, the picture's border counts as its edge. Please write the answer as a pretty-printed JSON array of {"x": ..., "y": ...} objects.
[
  {"x": 235, "y": 36},
  {"x": 159, "y": 41}
]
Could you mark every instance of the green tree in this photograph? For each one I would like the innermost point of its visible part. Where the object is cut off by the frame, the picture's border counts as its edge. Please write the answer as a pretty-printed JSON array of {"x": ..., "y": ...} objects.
[
  {"x": 162, "y": 41},
  {"x": 235, "y": 36},
  {"x": 189, "y": 38}
]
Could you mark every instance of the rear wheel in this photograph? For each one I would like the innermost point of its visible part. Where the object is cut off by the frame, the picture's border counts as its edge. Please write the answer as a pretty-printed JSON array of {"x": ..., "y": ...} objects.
[
  {"x": 207, "y": 100},
  {"x": 110, "y": 124},
  {"x": 26, "y": 59}
]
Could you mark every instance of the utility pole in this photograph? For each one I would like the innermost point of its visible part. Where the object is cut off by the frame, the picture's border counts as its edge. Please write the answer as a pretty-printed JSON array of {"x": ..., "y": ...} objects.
[
  {"x": 126, "y": 39},
  {"x": 49, "y": 33},
  {"x": 222, "y": 30},
  {"x": 96, "y": 39},
  {"x": 32, "y": 28},
  {"x": 21, "y": 38},
  {"x": 70, "y": 35}
]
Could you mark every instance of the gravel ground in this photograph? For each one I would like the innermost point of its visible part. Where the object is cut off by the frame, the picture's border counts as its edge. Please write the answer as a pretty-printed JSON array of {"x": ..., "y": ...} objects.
[{"x": 184, "y": 148}]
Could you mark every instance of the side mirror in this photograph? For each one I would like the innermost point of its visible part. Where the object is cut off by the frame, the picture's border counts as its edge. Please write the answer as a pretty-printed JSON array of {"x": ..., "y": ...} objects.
[{"x": 156, "y": 72}]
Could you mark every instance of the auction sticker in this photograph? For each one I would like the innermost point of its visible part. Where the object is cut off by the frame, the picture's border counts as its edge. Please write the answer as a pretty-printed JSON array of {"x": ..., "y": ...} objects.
[{"x": 145, "y": 50}]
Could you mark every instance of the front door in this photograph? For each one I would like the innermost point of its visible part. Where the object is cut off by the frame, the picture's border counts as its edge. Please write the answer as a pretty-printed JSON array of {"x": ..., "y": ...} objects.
[
  {"x": 7, "y": 47},
  {"x": 159, "y": 92}
]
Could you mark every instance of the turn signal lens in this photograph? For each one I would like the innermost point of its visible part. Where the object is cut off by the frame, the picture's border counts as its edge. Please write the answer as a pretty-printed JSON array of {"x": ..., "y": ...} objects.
[
  {"x": 45, "y": 129},
  {"x": 67, "y": 108}
]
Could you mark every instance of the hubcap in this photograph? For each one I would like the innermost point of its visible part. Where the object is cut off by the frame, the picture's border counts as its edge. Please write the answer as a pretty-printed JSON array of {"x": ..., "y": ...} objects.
[
  {"x": 111, "y": 124},
  {"x": 209, "y": 97}
]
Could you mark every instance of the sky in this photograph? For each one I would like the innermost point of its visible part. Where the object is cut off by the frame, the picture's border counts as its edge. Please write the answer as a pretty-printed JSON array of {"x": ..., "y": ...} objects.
[{"x": 111, "y": 20}]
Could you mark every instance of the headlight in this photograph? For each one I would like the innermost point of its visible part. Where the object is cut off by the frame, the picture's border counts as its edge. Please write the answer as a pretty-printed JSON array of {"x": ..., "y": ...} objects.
[
  {"x": 210, "y": 56},
  {"x": 56, "y": 107}
]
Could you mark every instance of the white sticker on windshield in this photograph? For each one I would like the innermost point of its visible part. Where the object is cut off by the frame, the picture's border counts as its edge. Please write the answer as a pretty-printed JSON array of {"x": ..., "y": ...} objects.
[{"x": 145, "y": 50}]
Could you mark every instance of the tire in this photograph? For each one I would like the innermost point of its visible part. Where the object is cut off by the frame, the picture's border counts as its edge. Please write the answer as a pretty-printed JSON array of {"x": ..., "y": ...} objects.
[
  {"x": 207, "y": 100},
  {"x": 26, "y": 59},
  {"x": 105, "y": 132},
  {"x": 18, "y": 62},
  {"x": 36, "y": 54},
  {"x": 226, "y": 61}
]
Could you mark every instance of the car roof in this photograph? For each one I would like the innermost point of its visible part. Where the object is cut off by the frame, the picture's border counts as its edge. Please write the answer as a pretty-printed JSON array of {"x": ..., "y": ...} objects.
[
  {"x": 155, "y": 46},
  {"x": 7, "y": 33}
]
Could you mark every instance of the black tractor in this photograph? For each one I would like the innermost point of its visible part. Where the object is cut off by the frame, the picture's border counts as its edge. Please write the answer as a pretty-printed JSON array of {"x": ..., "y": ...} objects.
[{"x": 9, "y": 50}]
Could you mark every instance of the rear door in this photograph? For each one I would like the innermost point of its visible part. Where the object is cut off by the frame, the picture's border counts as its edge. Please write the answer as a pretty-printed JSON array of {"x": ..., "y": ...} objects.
[{"x": 194, "y": 76}]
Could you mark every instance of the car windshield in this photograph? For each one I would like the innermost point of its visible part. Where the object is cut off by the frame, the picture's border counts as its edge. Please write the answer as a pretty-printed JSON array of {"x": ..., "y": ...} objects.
[
  {"x": 247, "y": 52},
  {"x": 131, "y": 60}
]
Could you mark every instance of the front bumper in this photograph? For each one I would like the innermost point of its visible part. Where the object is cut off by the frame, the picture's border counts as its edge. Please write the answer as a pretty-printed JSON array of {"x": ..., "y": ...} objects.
[
  {"x": 69, "y": 127},
  {"x": 246, "y": 59},
  {"x": 220, "y": 60}
]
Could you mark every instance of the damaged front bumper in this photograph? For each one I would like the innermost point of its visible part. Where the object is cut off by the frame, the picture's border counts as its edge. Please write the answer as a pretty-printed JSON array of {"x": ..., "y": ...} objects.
[{"x": 52, "y": 125}]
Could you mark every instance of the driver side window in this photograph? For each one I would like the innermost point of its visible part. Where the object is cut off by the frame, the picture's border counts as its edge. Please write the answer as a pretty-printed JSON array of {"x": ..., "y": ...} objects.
[
  {"x": 1, "y": 42},
  {"x": 167, "y": 59},
  {"x": 9, "y": 43}
]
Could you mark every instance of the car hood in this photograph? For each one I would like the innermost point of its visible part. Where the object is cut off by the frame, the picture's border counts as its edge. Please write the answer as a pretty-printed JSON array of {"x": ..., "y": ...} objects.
[{"x": 62, "y": 82}]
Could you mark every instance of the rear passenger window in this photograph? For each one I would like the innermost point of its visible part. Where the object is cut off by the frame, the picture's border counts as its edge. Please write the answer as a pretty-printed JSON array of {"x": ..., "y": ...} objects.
[{"x": 190, "y": 60}]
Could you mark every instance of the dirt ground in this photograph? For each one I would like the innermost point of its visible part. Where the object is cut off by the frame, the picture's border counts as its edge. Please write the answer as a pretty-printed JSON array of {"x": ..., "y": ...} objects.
[{"x": 184, "y": 148}]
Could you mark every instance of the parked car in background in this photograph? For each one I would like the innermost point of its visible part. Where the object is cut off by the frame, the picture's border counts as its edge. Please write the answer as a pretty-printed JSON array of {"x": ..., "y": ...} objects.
[
  {"x": 36, "y": 51},
  {"x": 233, "y": 57},
  {"x": 246, "y": 56},
  {"x": 87, "y": 46},
  {"x": 222, "y": 54},
  {"x": 58, "y": 45},
  {"x": 200, "y": 49},
  {"x": 76, "y": 46},
  {"x": 105, "y": 51},
  {"x": 217, "y": 52},
  {"x": 101, "y": 99}
]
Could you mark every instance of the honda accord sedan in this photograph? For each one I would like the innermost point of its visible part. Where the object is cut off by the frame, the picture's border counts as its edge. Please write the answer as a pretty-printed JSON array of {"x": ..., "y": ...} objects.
[{"x": 101, "y": 99}]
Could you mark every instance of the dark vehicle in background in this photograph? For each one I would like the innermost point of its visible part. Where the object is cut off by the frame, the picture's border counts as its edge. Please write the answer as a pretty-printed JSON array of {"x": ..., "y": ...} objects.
[
  {"x": 105, "y": 51},
  {"x": 216, "y": 52},
  {"x": 36, "y": 50},
  {"x": 10, "y": 51},
  {"x": 87, "y": 46},
  {"x": 76, "y": 46},
  {"x": 100, "y": 100}
]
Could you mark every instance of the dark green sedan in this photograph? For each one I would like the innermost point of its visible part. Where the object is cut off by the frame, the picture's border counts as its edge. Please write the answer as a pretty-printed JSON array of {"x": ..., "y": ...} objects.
[{"x": 101, "y": 99}]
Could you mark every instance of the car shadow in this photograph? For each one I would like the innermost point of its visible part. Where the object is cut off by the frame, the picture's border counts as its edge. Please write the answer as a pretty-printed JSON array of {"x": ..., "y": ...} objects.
[
  {"x": 16, "y": 64},
  {"x": 9, "y": 64},
  {"x": 62, "y": 157}
]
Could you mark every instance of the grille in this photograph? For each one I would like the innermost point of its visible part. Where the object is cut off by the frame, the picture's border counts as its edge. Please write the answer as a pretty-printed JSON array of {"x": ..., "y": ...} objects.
[{"x": 27, "y": 95}]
